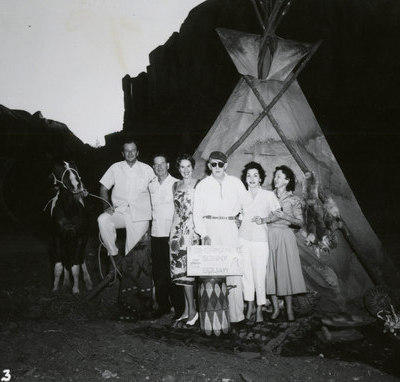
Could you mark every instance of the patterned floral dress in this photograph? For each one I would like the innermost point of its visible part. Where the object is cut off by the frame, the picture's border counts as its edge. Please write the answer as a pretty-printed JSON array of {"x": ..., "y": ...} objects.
[{"x": 182, "y": 236}]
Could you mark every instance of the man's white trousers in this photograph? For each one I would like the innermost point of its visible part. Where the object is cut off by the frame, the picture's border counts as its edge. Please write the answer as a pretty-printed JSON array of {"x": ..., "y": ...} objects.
[{"x": 108, "y": 224}]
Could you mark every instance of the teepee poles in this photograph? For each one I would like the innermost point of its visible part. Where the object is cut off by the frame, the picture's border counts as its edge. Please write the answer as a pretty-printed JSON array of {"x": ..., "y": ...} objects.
[
  {"x": 267, "y": 47},
  {"x": 276, "y": 126},
  {"x": 260, "y": 20},
  {"x": 344, "y": 228},
  {"x": 282, "y": 13},
  {"x": 273, "y": 20},
  {"x": 288, "y": 81},
  {"x": 267, "y": 43}
]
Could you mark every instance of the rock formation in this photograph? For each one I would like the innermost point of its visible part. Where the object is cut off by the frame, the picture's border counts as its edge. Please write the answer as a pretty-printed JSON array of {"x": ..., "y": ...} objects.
[{"x": 27, "y": 144}]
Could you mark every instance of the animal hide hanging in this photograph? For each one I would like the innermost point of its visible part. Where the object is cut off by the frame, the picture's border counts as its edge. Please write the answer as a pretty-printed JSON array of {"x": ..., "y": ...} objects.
[{"x": 321, "y": 217}]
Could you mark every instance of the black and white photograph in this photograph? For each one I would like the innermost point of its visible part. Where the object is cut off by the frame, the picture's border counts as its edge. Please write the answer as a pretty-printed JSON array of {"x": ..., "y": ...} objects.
[{"x": 199, "y": 190}]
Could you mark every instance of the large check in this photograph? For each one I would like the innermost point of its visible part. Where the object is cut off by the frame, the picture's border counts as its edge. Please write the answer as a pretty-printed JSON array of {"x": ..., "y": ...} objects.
[{"x": 213, "y": 260}]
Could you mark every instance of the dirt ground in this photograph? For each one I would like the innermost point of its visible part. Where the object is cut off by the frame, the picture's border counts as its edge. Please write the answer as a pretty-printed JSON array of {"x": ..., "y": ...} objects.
[{"x": 45, "y": 336}]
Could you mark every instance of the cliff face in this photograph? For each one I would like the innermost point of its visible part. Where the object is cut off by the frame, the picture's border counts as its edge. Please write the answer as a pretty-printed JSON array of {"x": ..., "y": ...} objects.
[
  {"x": 27, "y": 145},
  {"x": 23, "y": 133},
  {"x": 190, "y": 77}
]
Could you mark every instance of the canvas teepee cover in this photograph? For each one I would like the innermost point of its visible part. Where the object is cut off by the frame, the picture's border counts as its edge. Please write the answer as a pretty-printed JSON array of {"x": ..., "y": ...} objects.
[{"x": 336, "y": 275}]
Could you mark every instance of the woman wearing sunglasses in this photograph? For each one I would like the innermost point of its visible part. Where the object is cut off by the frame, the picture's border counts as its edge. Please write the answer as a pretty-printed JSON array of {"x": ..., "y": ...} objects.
[{"x": 253, "y": 235}]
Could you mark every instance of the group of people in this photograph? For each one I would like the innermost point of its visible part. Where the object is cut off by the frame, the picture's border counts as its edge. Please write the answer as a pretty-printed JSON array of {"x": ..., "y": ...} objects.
[{"x": 217, "y": 210}]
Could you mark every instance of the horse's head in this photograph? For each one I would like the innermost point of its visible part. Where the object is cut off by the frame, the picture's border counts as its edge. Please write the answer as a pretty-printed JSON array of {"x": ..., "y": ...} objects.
[{"x": 66, "y": 176}]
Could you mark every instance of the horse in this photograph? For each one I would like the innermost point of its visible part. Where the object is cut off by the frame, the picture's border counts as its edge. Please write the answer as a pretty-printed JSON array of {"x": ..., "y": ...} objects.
[{"x": 71, "y": 224}]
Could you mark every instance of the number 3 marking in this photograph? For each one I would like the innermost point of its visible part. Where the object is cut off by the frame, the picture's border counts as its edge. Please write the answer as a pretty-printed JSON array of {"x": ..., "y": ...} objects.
[{"x": 7, "y": 375}]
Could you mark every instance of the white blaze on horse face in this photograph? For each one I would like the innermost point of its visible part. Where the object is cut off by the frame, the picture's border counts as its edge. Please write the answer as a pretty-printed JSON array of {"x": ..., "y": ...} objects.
[
  {"x": 74, "y": 181},
  {"x": 72, "y": 177}
]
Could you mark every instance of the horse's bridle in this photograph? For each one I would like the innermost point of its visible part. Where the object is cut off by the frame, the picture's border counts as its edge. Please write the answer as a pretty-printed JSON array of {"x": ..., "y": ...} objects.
[{"x": 61, "y": 181}]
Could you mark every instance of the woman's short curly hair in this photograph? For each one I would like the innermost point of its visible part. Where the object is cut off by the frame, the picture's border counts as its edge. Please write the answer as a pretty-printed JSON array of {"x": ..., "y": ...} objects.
[
  {"x": 184, "y": 157},
  {"x": 249, "y": 166},
  {"x": 289, "y": 174}
]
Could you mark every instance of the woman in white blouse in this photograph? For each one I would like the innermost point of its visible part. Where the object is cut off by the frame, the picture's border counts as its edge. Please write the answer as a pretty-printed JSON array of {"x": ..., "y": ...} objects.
[{"x": 253, "y": 235}]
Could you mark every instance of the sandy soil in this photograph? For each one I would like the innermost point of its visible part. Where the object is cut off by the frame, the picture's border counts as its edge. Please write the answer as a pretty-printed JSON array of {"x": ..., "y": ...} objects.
[{"x": 59, "y": 337}]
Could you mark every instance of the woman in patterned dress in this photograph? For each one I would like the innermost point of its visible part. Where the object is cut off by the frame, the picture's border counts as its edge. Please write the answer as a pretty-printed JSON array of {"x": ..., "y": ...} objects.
[
  {"x": 284, "y": 275},
  {"x": 183, "y": 235}
]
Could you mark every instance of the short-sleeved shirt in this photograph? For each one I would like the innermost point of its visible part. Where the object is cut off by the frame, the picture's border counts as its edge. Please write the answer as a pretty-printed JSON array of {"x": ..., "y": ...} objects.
[
  {"x": 262, "y": 205},
  {"x": 130, "y": 188},
  {"x": 162, "y": 202},
  {"x": 218, "y": 199}
]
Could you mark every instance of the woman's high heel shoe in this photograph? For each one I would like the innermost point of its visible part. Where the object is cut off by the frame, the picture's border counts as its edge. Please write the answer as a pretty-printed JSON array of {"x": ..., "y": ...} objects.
[
  {"x": 193, "y": 320},
  {"x": 178, "y": 322},
  {"x": 275, "y": 315},
  {"x": 183, "y": 317}
]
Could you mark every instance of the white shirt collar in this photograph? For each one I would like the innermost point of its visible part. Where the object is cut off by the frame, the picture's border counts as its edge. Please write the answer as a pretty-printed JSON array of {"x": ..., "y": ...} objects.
[
  {"x": 166, "y": 180},
  {"x": 217, "y": 181},
  {"x": 126, "y": 165}
]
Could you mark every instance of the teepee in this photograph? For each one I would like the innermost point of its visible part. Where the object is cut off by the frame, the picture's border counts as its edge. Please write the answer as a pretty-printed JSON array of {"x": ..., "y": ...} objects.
[{"x": 267, "y": 119}]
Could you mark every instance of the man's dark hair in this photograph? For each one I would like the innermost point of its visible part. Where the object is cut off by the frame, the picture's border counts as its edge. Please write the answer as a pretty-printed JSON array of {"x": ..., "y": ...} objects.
[
  {"x": 128, "y": 139},
  {"x": 160, "y": 155},
  {"x": 289, "y": 174},
  {"x": 249, "y": 166}
]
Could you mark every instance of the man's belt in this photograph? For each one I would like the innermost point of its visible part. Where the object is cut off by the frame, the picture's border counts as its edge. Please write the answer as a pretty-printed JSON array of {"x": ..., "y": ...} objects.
[{"x": 219, "y": 217}]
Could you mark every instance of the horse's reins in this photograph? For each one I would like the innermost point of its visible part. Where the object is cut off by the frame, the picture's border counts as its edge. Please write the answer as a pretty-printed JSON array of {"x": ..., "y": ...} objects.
[
  {"x": 54, "y": 199},
  {"x": 116, "y": 270},
  {"x": 61, "y": 181}
]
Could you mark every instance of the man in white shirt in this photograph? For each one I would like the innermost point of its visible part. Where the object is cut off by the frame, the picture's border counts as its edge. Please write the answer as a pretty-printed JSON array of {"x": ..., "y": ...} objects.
[
  {"x": 130, "y": 197},
  {"x": 162, "y": 202},
  {"x": 218, "y": 199}
]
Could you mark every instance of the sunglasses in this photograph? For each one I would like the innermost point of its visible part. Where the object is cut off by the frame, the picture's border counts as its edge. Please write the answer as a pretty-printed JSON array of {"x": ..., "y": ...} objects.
[{"x": 219, "y": 164}]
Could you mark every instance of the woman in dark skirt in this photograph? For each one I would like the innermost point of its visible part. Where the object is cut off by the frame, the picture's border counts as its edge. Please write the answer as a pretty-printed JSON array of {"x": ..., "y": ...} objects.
[{"x": 284, "y": 275}]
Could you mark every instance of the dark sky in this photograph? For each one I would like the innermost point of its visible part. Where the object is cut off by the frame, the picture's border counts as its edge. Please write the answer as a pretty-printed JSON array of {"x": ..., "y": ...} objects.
[{"x": 352, "y": 85}]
